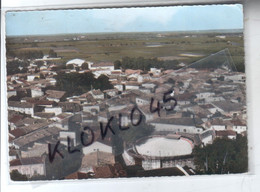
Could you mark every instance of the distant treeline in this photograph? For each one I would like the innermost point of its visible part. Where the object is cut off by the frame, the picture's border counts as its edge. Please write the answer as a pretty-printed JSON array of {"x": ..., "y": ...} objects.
[
  {"x": 30, "y": 54},
  {"x": 79, "y": 83},
  {"x": 145, "y": 64}
]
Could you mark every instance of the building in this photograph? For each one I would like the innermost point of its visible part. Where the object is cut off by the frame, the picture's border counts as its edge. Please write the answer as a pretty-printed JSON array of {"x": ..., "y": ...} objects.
[
  {"x": 29, "y": 166},
  {"x": 26, "y": 108},
  {"x": 53, "y": 95}
]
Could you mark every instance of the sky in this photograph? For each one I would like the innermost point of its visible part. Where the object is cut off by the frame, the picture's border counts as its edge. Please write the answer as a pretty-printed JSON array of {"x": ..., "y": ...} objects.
[{"x": 176, "y": 18}]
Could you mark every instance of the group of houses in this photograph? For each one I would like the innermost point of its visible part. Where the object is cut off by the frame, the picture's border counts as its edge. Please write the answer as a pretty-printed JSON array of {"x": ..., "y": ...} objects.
[{"x": 210, "y": 104}]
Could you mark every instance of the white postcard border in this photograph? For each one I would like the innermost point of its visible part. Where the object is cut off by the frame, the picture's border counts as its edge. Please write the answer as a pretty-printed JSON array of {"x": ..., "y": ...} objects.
[{"x": 239, "y": 182}]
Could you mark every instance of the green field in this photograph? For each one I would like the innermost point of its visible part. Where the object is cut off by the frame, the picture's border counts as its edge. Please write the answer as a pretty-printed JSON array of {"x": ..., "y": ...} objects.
[{"x": 185, "y": 48}]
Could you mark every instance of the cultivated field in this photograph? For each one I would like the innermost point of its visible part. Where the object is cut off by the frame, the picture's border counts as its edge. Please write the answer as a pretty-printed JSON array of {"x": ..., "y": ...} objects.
[{"x": 183, "y": 47}]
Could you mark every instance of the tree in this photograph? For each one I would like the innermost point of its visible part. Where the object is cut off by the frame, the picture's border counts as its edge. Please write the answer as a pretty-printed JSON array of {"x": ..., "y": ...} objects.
[
  {"x": 78, "y": 83},
  {"x": 84, "y": 66},
  {"x": 103, "y": 83},
  {"x": 17, "y": 176},
  {"x": 117, "y": 64},
  {"x": 42, "y": 76},
  {"x": 16, "y": 66},
  {"x": 39, "y": 63},
  {"x": 52, "y": 53},
  {"x": 70, "y": 66},
  {"x": 222, "y": 157}
]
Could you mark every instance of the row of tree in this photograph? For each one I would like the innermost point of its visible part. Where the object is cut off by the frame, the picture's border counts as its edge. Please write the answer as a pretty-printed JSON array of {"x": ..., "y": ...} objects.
[
  {"x": 145, "y": 64},
  {"x": 30, "y": 54}
]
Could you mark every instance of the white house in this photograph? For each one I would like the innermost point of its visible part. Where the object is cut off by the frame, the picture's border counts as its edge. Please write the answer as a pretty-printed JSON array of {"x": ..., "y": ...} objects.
[
  {"x": 76, "y": 62},
  {"x": 64, "y": 138},
  {"x": 11, "y": 93},
  {"x": 204, "y": 95},
  {"x": 53, "y": 95},
  {"x": 142, "y": 100},
  {"x": 37, "y": 150},
  {"x": 97, "y": 146},
  {"x": 103, "y": 65},
  {"x": 36, "y": 92},
  {"x": 238, "y": 126},
  {"x": 31, "y": 77},
  {"x": 97, "y": 94},
  {"x": 185, "y": 125},
  {"x": 131, "y": 85},
  {"x": 142, "y": 78},
  {"x": 93, "y": 109},
  {"x": 97, "y": 73},
  {"x": 26, "y": 108},
  {"x": 55, "y": 110},
  {"x": 218, "y": 125},
  {"x": 28, "y": 166}
]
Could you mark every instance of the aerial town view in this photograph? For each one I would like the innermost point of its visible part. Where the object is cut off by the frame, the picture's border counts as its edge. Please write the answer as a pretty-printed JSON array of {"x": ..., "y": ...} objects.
[{"x": 110, "y": 104}]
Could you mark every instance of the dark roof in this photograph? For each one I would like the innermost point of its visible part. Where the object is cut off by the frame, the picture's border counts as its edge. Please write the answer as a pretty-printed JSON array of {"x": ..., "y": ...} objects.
[
  {"x": 26, "y": 161},
  {"x": 238, "y": 122},
  {"x": 226, "y": 133},
  {"x": 160, "y": 172},
  {"x": 44, "y": 115},
  {"x": 207, "y": 106},
  {"x": 206, "y": 134},
  {"x": 96, "y": 92},
  {"x": 20, "y": 104},
  {"x": 77, "y": 175},
  {"x": 104, "y": 171},
  {"x": 18, "y": 132},
  {"x": 55, "y": 94},
  {"x": 228, "y": 106},
  {"x": 15, "y": 118}
]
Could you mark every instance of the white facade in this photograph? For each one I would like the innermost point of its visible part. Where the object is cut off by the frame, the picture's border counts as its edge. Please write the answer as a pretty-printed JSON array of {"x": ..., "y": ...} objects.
[
  {"x": 26, "y": 110},
  {"x": 89, "y": 108},
  {"x": 205, "y": 95},
  {"x": 56, "y": 110},
  {"x": 64, "y": 138},
  {"x": 151, "y": 164},
  {"x": 174, "y": 128},
  {"x": 53, "y": 99},
  {"x": 207, "y": 140},
  {"x": 218, "y": 127},
  {"x": 239, "y": 128},
  {"x": 116, "y": 108},
  {"x": 140, "y": 101},
  {"x": 119, "y": 87},
  {"x": 77, "y": 62},
  {"x": 11, "y": 93},
  {"x": 108, "y": 68},
  {"x": 131, "y": 87},
  {"x": 142, "y": 78},
  {"x": 30, "y": 77},
  {"x": 36, "y": 92},
  {"x": 102, "y": 72},
  {"x": 148, "y": 85},
  {"x": 30, "y": 170},
  {"x": 213, "y": 99}
]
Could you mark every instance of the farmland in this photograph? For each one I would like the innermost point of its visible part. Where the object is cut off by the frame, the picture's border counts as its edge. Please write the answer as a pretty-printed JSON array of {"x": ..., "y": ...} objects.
[{"x": 183, "y": 47}]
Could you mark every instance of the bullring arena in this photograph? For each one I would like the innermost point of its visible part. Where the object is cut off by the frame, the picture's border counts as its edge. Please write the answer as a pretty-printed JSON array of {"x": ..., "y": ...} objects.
[{"x": 158, "y": 151}]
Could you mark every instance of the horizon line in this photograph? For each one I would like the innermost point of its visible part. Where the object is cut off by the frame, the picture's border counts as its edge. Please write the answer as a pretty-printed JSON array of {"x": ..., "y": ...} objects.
[{"x": 237, "y": 30}]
